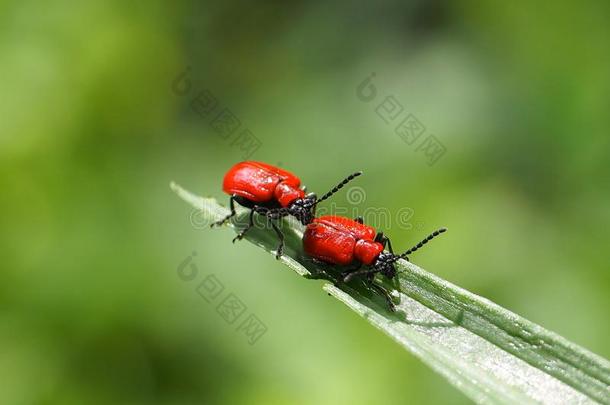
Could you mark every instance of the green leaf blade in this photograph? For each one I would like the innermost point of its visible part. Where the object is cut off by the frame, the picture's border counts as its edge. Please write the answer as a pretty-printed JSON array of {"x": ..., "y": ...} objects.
[{"x": 491, "y": 354}]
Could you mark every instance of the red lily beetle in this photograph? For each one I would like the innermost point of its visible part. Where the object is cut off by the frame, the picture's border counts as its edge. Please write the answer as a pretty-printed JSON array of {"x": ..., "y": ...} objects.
[
  {"x": 272, "y": 192},
  {"x": 343, "y": 241}
]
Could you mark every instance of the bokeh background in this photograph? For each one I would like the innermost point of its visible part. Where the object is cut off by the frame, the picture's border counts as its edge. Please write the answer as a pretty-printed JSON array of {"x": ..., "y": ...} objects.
[{"x": 92, "y": 132}]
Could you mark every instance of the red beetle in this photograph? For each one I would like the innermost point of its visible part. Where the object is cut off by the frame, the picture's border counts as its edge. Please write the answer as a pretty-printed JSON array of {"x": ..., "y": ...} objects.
[
  {"x": 343, "y": 241},
  {"x": 272, "y": 192}
]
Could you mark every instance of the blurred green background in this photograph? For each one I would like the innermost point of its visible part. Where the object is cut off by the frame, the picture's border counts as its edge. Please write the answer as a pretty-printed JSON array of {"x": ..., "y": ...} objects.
[{"x": 91, "y": 134}]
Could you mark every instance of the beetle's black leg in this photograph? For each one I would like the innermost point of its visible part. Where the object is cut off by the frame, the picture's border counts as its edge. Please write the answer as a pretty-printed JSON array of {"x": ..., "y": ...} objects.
[
  {"x": 320, "y": 272},
  {"x": 384, "y": 240},
  {"x": 259, "y": 210},
  {"x": 241, "y": 235},
  {"x": 232, "y": 214},
  {"x": 271, "y": 213},
  {"x": 280, "y": 235},
  {"x": 347, "y": 272},
  {"x": 359, "y": 219},
  {"x": 380, "y": 237},
  {"x": 396, "y": 284},
  {"x": 353, "y": 274},
  {"x": 389, "y": 245},
  {"x": 370, "y": 283},
  {"x": 385, "y": 294}
]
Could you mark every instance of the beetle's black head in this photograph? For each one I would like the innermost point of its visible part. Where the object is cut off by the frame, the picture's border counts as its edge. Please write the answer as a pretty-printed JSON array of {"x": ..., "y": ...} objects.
[
  {"x": 304, "y": 209},
  {"x": 385, "y": 264}
]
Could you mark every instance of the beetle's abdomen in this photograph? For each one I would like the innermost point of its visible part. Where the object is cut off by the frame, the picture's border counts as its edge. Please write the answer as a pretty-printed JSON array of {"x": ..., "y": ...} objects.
[
  {"x": 286, "y": 193},
  {"x": 329, "y": 244}
]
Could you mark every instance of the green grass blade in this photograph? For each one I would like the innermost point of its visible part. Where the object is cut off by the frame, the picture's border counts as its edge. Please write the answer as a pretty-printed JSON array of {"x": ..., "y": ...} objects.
[{"x": 486, "y": 351}]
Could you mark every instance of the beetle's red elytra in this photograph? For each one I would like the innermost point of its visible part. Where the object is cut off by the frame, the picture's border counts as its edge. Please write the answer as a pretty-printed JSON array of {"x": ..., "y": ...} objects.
[
  {"x": 340, "y": 240},
  {"x": 273, "y": 193},
  {"x": 262, "y": 183}
]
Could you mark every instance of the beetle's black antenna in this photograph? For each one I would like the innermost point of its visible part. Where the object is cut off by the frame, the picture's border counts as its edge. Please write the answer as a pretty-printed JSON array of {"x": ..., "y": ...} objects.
[
  {"x": 420, "y": 244},
  {"x": 339, "y": 186}
]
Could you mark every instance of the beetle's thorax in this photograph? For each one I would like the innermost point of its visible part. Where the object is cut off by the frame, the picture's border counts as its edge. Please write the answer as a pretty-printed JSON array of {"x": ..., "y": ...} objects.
[
  {"x": 286, "y": 194},
  {"x": 367, "y": 251}
]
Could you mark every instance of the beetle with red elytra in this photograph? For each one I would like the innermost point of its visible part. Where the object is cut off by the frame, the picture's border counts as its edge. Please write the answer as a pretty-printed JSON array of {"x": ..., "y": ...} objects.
[
  {"x": 344, "y": 241},
  {"x": 273, "y": 193}
]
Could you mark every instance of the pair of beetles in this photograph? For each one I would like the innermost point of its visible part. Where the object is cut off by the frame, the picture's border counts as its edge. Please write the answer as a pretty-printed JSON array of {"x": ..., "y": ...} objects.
[{"x": 275, "y": 193}]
